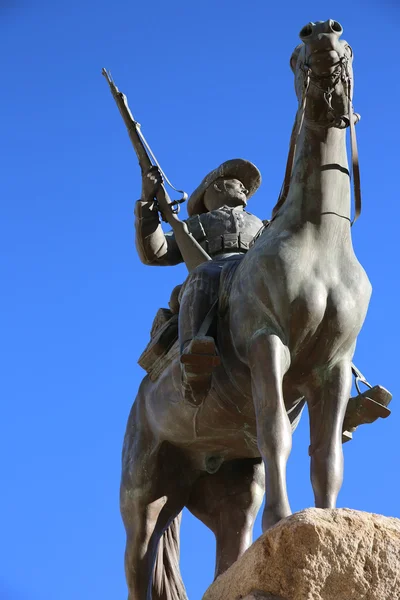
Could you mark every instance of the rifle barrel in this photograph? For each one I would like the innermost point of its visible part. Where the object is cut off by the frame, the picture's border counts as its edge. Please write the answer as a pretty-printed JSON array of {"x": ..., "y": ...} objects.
[{"x": 192, "y": 253}]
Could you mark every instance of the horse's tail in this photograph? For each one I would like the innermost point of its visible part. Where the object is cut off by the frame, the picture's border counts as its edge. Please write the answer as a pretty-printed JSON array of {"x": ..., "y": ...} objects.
[{"x": 167, "y": 580}]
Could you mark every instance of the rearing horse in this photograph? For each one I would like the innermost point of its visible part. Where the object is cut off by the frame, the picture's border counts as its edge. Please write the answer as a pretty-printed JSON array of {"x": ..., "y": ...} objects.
[{"x": 296, "y": 304}]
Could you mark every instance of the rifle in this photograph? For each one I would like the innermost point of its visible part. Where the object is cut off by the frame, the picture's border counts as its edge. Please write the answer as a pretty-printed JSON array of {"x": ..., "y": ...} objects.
[{"x": 192, "y": 253}]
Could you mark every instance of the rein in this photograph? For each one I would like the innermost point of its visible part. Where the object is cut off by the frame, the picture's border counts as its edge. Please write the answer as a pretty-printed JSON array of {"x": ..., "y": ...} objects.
[
  {"x": 339, "y": 121},
  {"x": 355, "y": 165},
  {"x": 298, "y": 124}
]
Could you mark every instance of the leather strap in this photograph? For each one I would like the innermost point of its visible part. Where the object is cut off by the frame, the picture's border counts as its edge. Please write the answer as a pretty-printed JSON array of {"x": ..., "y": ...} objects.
[
  {"x": 355, "y": 166},
  {"x": 206, "y": 324},
  {"x": 292, "y": 148}
]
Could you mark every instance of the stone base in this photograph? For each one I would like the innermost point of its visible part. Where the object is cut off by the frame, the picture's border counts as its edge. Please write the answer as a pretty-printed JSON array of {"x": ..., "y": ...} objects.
[{"x": 318, "y": 554}]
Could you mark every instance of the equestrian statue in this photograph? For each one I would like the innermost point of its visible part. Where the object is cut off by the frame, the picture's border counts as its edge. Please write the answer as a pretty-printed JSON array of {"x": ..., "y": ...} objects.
[{"x": 266, "y": 321}]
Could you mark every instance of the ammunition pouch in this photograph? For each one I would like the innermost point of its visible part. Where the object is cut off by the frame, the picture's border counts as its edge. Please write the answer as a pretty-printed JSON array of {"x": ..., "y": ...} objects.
[{"x": 229, "y": 242}]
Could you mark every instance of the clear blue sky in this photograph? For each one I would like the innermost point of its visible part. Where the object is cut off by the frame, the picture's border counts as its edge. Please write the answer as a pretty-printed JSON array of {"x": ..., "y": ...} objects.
[{"x": 208, "y": 81}]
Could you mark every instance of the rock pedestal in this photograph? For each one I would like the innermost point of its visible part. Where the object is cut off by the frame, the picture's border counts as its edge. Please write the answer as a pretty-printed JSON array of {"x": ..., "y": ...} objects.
[{"x": 318, "y": 554}]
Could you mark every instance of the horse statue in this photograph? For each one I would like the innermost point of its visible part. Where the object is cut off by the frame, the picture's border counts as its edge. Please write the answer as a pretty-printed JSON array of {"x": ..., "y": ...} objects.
[{"x": 287, "y": 327}]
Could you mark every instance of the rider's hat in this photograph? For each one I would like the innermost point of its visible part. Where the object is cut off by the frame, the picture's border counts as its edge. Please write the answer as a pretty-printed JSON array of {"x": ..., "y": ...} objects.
[{"x": 236, "y": 168}]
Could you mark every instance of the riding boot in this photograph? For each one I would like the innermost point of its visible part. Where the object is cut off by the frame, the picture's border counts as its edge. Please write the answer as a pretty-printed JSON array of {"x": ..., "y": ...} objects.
[
  {"x": 198, "y": 360},
  {"x": 365, "y": 408}
]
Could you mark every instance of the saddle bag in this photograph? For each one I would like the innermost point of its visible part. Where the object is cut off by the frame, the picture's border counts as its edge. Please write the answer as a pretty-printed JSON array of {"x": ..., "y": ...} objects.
[{"x": 164, "y": 333}]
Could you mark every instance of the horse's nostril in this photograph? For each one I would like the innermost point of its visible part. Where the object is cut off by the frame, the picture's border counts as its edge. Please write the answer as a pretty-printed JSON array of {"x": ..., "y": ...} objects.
[
  {"x": 335, "y": 26},
  {"x": 306, "y": 31}
]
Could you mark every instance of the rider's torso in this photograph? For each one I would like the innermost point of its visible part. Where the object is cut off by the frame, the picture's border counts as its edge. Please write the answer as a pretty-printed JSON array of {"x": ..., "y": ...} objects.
[{"x": 224, "y": 231}]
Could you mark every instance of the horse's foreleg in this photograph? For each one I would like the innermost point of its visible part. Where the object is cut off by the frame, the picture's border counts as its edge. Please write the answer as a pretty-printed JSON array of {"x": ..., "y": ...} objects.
[
  {"x": 228, "y": 502},
  {"x": 269, "y": 359},
  {"x": 327, "y": 407}
]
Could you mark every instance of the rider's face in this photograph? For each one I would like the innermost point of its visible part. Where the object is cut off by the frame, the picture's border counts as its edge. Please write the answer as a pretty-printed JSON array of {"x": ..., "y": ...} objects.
[
  {"x": 236, "y": 191},
  {"x": 228, "y": 192}
]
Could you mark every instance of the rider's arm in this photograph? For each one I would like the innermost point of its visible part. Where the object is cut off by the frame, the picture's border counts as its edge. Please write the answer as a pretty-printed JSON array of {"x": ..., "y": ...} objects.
[{"x": 154, "y": 247}]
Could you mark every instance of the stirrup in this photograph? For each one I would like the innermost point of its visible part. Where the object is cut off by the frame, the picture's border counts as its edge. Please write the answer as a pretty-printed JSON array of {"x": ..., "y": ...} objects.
[
  {"x": 365, "y": 408},
  {"x": 200, "y": 356}
]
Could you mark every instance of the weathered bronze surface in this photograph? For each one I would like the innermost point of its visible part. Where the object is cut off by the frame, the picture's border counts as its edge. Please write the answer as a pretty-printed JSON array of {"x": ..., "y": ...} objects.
[{"x": 213, "y": 425}]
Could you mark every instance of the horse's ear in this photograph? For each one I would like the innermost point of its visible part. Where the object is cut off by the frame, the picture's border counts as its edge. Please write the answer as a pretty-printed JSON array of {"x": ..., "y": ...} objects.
[{"x": 295, "y": 56}]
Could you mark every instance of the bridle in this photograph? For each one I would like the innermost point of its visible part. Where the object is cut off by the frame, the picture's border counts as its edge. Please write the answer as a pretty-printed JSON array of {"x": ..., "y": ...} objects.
[{"x": 342, "y": 74}]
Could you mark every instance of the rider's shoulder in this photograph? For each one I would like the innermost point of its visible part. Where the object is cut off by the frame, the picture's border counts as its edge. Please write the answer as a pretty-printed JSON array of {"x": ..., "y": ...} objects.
[
  {"x": 192, "y": 220},
  {"x": 196, "y": 225},
  {"x": 252, "y": 217}
]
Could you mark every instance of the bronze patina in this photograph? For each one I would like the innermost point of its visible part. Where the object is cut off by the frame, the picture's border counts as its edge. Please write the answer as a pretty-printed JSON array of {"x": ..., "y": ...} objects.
[{"x": 212, "y": 428}]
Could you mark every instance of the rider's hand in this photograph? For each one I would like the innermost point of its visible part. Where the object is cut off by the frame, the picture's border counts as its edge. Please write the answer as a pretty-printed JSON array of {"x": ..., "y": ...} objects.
[{"x": 151, "y": 183}]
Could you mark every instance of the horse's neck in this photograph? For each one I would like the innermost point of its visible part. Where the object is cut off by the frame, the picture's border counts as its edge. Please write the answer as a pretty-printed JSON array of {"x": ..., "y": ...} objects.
[{"x": 319, "y": 194}]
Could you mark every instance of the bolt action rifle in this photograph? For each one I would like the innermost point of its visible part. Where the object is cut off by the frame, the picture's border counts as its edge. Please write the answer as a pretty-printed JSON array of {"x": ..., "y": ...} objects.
[{"x": 192, "y": 253}]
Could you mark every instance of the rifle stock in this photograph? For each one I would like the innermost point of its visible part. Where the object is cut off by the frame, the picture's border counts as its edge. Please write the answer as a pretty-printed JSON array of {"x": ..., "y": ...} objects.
[{"x": 192, "y": 253}]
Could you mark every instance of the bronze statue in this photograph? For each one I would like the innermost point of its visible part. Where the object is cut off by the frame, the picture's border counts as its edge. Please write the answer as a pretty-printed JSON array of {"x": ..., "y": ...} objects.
[{"x": 283, "y": 333}]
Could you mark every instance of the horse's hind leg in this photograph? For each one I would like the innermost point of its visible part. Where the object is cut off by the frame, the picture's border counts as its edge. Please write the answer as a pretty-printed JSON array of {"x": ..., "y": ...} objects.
[
  {"x": 327, "y": 407},
  {"x": 153, "y": 493},
  {"x": 143, "y": 533},
  {"x": 269, "y": 360},
  {"x": 228, "y": 502},
  {"x": 152, "y": 562}
]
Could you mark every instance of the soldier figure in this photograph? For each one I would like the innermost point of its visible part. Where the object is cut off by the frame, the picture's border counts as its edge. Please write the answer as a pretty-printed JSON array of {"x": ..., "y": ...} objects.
[{"x": 219, "y": 222}]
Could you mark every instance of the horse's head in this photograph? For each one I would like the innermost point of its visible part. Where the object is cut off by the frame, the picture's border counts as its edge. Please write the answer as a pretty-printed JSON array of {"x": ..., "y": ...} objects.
[{"x": 323, "y": 74}]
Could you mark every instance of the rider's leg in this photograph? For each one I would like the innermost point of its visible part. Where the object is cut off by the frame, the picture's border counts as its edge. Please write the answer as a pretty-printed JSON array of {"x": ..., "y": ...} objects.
[
  {"x": 199, "y": 293},
  {"x": 198, "y": 352}
]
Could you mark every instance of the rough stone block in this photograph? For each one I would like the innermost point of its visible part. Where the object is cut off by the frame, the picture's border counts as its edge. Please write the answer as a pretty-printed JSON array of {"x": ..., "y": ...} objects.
[{"x": 318, "y": 554}]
